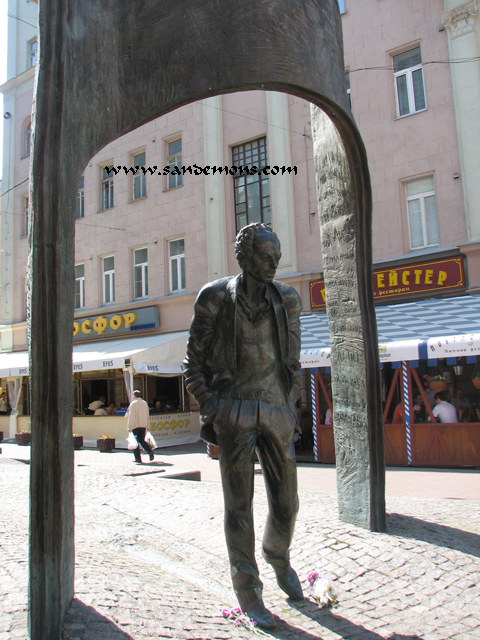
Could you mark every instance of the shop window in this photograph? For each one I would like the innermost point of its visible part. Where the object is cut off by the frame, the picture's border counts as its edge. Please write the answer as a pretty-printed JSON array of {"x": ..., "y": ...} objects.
[
  {"x": 79, "y": 286},
  {"x": 422, "y": 213},
  {"x": 108, "y": 280},
  {"x": 140, "y": 273},
  {"x": 251, "y": 192},
  {"x": 107, "y": 187},
  {"x": 139, "y": 179},
  {"x": 80, "y": 210},
  {"x": 174, "y": 159},
  {"x": 176, "y": 250},
  {"x": 409, "y": 86}
]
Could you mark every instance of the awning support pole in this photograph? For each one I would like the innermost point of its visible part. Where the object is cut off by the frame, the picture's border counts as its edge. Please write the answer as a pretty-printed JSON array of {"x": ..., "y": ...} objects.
[
  {"x": 406, "y": 404},
  {"x": 314, "y": 414}
]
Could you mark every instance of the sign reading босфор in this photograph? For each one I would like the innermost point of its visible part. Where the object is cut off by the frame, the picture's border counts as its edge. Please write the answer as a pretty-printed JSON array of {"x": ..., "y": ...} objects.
[{"x": 116, "y": 323}]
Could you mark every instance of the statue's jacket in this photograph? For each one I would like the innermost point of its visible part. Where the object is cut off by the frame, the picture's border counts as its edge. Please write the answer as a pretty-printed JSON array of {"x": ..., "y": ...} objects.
[{"x": 211, "y": 357}]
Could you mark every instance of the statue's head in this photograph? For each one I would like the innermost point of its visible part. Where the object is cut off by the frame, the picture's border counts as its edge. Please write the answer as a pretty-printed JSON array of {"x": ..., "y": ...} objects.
[{"x": 257, "y": 249}]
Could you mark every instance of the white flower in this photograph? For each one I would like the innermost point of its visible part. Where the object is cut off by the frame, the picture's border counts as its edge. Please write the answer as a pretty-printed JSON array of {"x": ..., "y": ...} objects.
[{"x": 322, "y": 590}]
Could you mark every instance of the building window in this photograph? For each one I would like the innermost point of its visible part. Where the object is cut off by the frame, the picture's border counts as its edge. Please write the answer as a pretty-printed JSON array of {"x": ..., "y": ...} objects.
[
  {"x": 79, "y": 286},
  {"x": 107, "y": 188},
  {"x": 108, "y": 280},
  {"x": 251, "y": 192},
  {"x": 341, "y": 4},
  {"x": 25, "y": 217},
  {"x": 24, "y": 301},
  {"x": 32, "y": 52},
  {"x": 409, "y": 87},
  {"x": 80, "y": 210},
  {"x": 140, "y": 273},
  {"x": 139, "y": 179},
  {"x": 27, "y": 139},
  {"x": 422, "y": 213},
  {"x": 176, "y": 250},
  {"x": 174, "y": 159}
]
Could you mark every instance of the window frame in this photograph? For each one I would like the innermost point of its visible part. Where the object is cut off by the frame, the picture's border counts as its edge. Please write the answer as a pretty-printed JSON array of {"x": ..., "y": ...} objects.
[
  {"x": 24, "y": 233},
  {"x": 408, "y": 73},
  {"x": 140, "y": 177},
  {"x": 80, "y": 205},
  {"x": 32, "y": 52},
  {"x": 174, "y": 160},
  {"x": 179, "y": 261},
  {"x": 107, "y": 183},
  {"x": 143, "y": 266},
  {"x": 265, "y": 211},
  {"x": 110, "y": 275},
  {"x": 81, "y": 292},
  {"x": 27, "y": 137},
  {"x": 421, "y": 197}
]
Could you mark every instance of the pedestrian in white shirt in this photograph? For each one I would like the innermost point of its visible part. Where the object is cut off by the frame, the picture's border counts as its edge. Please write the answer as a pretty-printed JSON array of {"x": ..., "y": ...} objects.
[
  {"x": 138, "y": 420},
  {"x": 444, "y": 411}
]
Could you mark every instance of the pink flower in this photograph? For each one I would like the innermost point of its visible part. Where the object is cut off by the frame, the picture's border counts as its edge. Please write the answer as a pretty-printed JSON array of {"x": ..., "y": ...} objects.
[
  {"x": 312, "y": 576},
  {"x": 225, "y": 613}
]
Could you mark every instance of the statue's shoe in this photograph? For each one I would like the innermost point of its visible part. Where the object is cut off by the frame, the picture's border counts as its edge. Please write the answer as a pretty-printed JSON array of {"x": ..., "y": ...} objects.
[
  {"x": 290, "y": 584},
  {"x": 253, "y": 607}
]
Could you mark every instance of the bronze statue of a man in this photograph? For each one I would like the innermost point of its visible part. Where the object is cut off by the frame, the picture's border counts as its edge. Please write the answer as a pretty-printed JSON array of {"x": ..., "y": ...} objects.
[{"x": 242, "y": 367}]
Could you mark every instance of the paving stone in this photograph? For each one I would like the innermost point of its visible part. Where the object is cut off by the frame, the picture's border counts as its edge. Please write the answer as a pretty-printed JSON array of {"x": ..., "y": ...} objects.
[{"x": 163, "y": 571}]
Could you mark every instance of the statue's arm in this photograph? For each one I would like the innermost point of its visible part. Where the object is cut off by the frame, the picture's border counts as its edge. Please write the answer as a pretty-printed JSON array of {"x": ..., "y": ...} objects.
[{"x": 202, "y": 334}]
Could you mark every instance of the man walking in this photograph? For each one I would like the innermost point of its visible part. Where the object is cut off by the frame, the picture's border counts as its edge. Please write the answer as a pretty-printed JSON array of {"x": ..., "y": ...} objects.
[
  {"x": 242, "y": 367},
  {"x": 138, "y": 419}
]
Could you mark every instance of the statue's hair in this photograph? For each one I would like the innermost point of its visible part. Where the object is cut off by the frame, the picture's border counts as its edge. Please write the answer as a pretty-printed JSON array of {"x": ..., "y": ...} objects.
[{"x": 245, "y": 238}]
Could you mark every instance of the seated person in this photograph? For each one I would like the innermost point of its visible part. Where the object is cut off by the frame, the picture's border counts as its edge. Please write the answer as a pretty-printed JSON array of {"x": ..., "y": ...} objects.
[
  {"x": 329, "y": 417},
  {"x": 93, "y": 406},
  {"x": 122, "y": 410},
  {"x": 158, "y": 408},
  {"x": 399, "y": 414},
  {"x": 101, "y": 411},
  {"x": 460, "y": 402},
  {"x": 419, "y": 409},
  {"x": 443, "y": 410},
  {"x": 170, "y": 407},
  {"x": 111, "y": 409}
]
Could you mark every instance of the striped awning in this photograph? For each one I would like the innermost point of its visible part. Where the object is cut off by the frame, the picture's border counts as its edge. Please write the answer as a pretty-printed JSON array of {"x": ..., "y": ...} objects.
[{"x": 449, "y": 327}]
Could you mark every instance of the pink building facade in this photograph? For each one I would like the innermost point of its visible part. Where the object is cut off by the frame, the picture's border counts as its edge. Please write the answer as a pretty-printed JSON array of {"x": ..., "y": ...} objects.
[{"x": 149, "y": 240}]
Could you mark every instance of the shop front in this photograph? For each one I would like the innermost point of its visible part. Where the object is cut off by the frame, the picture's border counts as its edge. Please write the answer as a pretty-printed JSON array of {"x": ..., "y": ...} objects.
[
  {"x": 111, "y": 370},
  {"x": 424, "y": 347}
]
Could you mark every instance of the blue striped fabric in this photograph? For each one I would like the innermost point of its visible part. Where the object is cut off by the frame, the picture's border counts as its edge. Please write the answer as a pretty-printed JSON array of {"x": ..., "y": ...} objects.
[{"x": 412, "y": 321}]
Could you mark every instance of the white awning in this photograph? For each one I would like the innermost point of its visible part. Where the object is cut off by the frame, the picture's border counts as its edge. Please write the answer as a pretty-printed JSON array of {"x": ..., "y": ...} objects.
[{"x": 159, "y": 355}]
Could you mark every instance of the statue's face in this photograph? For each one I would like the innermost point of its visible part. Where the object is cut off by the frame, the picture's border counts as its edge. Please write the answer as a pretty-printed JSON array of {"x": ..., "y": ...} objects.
[{"x": 263, "y": 262}]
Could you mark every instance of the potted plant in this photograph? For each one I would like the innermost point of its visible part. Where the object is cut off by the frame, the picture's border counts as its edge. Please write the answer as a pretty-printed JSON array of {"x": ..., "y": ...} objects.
[
  {"x": 476, "y": 380},
  {"x": 105, "y": 442},
  {"x": 23, "y": 438},
  {"x": 77, "y": 441},
  {"x": 436, "y": 383}
]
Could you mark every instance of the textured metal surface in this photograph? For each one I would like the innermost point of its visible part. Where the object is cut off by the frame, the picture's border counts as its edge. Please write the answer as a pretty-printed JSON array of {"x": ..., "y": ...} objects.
[{"x": 105, "y": 67}]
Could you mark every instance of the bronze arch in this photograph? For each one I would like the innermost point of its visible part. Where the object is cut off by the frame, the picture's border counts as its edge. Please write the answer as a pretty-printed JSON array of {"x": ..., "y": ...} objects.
[{"x": 108, "y": 66}]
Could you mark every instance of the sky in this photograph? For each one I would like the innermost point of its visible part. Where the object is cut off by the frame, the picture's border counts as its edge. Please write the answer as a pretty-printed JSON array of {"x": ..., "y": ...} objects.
[{"x": 3, "y": 66}]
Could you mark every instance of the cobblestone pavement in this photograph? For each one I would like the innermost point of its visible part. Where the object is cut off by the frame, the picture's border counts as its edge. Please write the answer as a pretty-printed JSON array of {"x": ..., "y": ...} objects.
[{"x": 151, "y": 563}]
